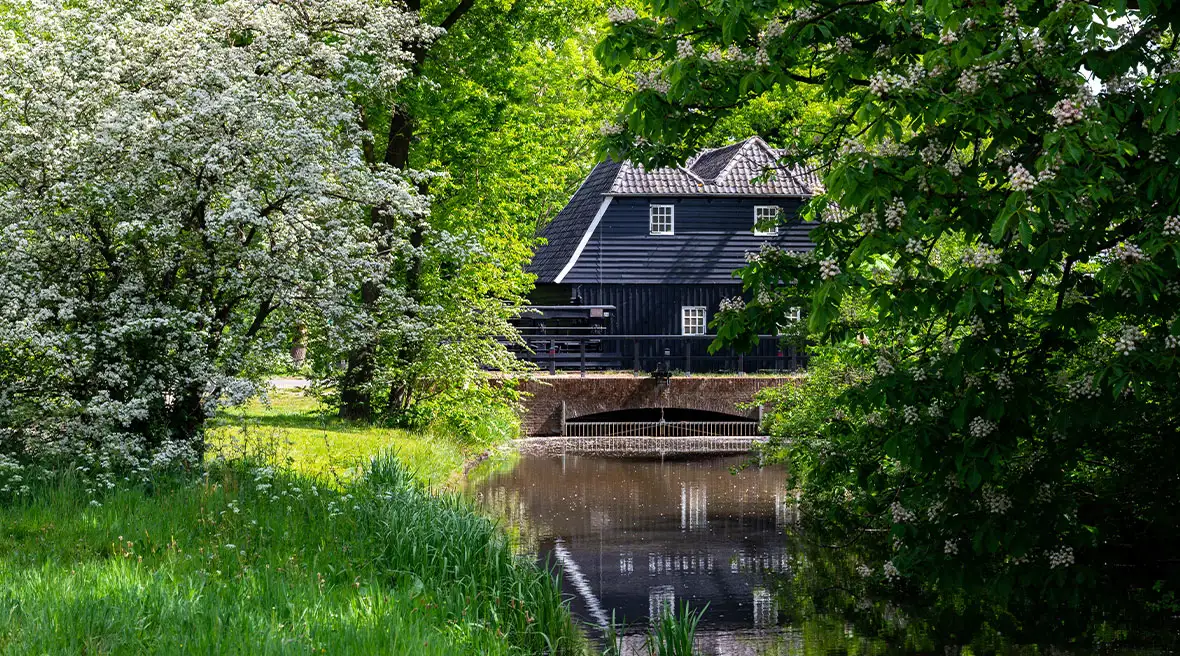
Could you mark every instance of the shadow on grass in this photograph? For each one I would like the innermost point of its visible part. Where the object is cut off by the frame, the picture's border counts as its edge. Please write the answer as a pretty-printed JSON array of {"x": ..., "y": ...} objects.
[{"x": 308, "y": 420}]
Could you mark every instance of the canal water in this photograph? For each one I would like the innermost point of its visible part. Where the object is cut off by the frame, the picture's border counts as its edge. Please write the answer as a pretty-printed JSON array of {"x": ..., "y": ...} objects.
[{"x": 632, "y": 536}]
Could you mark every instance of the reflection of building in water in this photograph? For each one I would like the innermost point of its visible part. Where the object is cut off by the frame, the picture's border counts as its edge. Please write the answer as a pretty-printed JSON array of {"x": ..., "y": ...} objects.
[
  {"x": 679, "y": 563},
  {"x": 786, "y": 511},
  {"x": 765, "y": 608},
  {"x": 778, "y": 561},
  {"x": 634, "y": 536},
  {"x": 626, "y": 563},
  {"x": 661, "y": 600},
  {"x": 694, "y": 507}
]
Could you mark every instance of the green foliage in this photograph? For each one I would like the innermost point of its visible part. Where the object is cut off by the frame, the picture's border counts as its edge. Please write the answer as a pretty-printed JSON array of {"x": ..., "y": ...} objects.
[
  {"x": 248, "y": 560},
  {"x": 673, "y": 633},
  {"x": 997, "y": 273}
]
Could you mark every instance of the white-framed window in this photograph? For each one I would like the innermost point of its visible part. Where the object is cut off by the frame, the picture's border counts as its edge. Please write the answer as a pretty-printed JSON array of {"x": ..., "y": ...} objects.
[
  {"x": 661, "y": 219},
  {"x": 766, "y": 220},
  {"x": 692, "y": 320},
  {"x": 794, "y": 315}
]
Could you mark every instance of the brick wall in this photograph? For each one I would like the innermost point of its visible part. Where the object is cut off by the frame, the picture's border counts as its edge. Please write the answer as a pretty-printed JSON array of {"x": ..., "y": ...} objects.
[{"x": 584, "y": 396}]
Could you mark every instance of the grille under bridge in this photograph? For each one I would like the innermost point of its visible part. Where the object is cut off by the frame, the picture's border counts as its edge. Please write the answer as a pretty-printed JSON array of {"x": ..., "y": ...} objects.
[{"x": 635, "y": 438}]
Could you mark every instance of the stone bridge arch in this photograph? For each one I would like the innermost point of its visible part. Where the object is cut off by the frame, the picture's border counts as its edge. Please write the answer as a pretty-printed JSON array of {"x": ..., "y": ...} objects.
[{"x": 543, "y": 411}]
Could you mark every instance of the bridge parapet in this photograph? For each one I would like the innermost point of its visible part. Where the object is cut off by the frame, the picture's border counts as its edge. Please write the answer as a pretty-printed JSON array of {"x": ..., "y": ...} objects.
[{"x": 550, "y": 401}]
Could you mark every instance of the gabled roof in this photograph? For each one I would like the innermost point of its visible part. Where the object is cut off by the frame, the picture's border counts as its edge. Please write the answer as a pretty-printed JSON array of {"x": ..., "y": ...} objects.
[
  {"x": 726, "y": 171},
  {"x": 566, "y": 230}
]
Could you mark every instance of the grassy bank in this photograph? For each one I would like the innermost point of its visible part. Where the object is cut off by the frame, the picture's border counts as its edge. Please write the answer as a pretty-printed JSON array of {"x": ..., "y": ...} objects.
[
  {"x": 244, "y": 561},
  {"x": 334, "y": 547},
  {"x": 292, "y": 428}
]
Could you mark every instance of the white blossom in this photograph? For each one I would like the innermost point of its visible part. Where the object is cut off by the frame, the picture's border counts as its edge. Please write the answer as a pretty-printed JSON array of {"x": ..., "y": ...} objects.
[
  {"x": 980, "y": 427},
  {"x": 189, "y": 167},
  {"x": 733, "y": 304},
  {"x": 1171, "y": 226},
  {"x": 653, "y": 80},
  {"x": 994, "y": 501},
  {"x": 1065, "y": 112},
  {"x": 900, "y": 514},
  {"x": 1060, "y": 557},
  {"x": 1127, "y": 340},
  {"x": 828, "y": 268},
  {"x": 620, "y": 15},
  {"x": 1020, "y": 179},
  {"x": 684, "y": 49},
  {"x": 1126, "y": 253},
  {"x": 981, "y": 257}
]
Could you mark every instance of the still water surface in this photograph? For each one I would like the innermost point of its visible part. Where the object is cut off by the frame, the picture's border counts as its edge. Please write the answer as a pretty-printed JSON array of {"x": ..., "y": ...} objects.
[{"x": 633, "y": 535}]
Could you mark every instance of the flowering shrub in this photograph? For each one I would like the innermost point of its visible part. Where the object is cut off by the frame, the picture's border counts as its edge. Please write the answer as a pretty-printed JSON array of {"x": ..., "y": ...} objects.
[
  {"x": 173, "y": 176},
  {"x": 1013, "y": 168}
]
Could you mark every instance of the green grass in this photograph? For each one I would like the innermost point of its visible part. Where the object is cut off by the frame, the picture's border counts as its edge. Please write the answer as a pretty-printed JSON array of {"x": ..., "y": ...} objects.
[
  {"x": 242, "y": 561},
  {"x": 295, "y": 429}
]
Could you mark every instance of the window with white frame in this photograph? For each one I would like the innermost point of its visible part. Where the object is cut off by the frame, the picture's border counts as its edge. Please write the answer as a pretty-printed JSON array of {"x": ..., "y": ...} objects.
[
  {"x": 692, "y": 320},
  {"x": 794, "y": 315},
  {"x": 661, "y": 219},
  {"x": 766, "y": 220}
]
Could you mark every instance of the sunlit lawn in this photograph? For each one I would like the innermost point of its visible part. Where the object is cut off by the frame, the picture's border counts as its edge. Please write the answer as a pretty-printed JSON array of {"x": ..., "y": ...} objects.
[
  {"x": 311, "y": 440},
  {"x": 300, "y": 557}
]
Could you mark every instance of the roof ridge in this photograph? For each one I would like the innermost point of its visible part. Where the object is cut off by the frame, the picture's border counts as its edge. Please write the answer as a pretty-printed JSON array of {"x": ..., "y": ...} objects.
[{"x": 750, "y": 141}]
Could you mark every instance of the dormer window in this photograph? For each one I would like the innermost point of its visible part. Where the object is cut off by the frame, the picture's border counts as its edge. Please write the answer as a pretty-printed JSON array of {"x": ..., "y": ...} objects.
[
  {"x": 766, "y": 220},
  {"x": 661, "y": 219}
]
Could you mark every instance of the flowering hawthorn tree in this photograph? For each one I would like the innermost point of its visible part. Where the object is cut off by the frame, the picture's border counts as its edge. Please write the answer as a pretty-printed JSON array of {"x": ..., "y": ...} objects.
[
  {"x": 997, "y": 262},
  {"x": 174, "y": 174}
]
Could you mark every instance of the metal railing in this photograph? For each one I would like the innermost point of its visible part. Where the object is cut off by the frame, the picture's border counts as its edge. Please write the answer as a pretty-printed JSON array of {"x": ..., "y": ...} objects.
[
  {"x": 647, "y": 353},
  {"x": 661, "y": 429},
  {"x": 634, "y": 446}
]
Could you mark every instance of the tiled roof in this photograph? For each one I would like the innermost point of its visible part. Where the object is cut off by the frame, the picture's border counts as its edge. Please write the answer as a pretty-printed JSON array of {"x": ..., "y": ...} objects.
[
  {"x": 565, "y": 231},
  {"x": 726, "y": 171}
]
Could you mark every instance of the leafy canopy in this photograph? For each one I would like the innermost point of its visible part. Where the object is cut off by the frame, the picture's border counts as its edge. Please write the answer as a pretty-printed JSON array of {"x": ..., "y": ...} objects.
[{"x": 997, "y": 260}]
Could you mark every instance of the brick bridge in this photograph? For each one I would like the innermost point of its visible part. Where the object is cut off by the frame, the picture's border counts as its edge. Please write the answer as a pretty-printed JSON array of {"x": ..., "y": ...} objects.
[{"x": 550, "y": 401}]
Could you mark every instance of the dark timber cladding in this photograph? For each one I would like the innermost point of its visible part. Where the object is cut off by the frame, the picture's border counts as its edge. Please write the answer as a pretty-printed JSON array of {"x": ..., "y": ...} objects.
[
  {"x": 637, "y": 263},
  {"x": 712, "y": 237},
  {"x": 648, "y": 309}
]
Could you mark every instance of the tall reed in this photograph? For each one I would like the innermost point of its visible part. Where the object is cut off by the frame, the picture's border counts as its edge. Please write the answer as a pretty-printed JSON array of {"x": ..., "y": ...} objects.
[{"x": 674, "y": 633}]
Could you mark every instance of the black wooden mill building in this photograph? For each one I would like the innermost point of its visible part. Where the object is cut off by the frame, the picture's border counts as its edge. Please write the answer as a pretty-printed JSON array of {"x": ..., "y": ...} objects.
[{"x": 637, "y": 263}]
